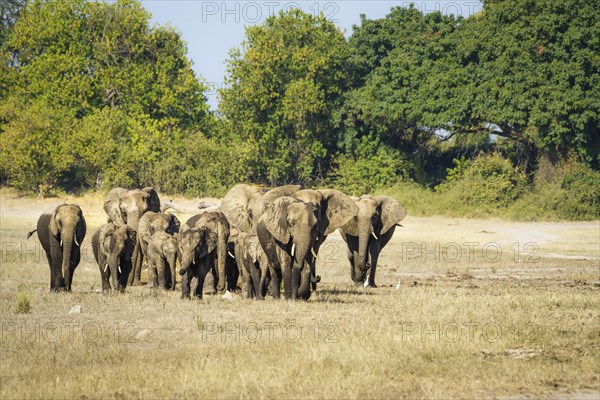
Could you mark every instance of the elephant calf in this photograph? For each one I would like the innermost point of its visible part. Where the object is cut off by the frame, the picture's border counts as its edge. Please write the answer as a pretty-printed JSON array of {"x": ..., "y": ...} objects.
[
  {"x": 162, "y": 256},
  {"x": 61, "y": 233},
  {"x": 254, "y": 264},
  {"x": 113, "y": 248}
]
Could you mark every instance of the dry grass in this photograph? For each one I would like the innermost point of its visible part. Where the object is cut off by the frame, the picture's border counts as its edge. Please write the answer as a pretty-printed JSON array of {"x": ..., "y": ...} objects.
[{"x": 460, "y": 326}]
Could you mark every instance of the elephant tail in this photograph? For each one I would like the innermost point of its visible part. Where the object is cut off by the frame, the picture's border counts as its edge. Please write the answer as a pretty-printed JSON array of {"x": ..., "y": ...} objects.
[{"x": 30, "y": 233}]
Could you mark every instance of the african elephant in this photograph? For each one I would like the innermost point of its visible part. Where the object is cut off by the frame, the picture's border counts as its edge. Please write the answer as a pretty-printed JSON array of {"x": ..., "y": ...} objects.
[
  {"x": 113, "y": 248},
  {"x": 216, "y": 236},
  {"x": 162, "y": 257},
  {"x": 124, "y": 206},
  {"x": 195, "y": 248},
  {"x": 244, "y": 204},
  {"x": 368, "y": 233},
  {"x": 334, "y": 209},
  {"x": 253, "y": 264},
  {"x": 287, "y": 231},
  {"x": 61, "y": 233},
  {"x": 152, "y": 222}
]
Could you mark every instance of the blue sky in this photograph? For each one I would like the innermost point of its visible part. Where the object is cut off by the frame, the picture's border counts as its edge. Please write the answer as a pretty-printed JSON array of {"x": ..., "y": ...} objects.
[{"x": 212, "y": 28}]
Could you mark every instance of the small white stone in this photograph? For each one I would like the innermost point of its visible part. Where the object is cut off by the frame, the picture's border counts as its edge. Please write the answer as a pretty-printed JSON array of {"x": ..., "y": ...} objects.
[
  {"x": 227, "y": 296},
  {"x": 76, "y": 309}
]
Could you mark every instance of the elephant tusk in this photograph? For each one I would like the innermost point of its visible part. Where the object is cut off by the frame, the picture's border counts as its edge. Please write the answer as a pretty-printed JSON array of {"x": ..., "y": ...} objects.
[
  {"x": 314, "y": 253},
  {"x": 231, "y": 255},
  {"x": 76, "y": 242},
  {"x": 119, "y": 267},
  {"x": 61, "y": 243},
  {"x": 374, "y": 235},
  {"x": 105, "y": 267},
  {"x": 293, "y": 249},
  {"x": 366, "y": 282}
]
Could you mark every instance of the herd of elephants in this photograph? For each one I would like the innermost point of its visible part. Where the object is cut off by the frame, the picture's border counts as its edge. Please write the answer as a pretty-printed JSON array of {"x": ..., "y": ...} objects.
[{"x": 266, "y": 238}]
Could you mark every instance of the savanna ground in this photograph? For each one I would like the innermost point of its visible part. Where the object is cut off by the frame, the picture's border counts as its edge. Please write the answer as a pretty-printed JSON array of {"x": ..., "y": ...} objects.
[{"x": 484, "y": 309}]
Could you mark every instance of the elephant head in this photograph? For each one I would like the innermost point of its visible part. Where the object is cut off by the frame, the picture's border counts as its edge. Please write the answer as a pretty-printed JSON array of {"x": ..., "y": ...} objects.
[
  {"x": 113, "y": 248},
  {"x": 373, "y": 226},
  {"x": 124, "y": 206},
  {"x": 193, "y": 244},
  {"x": 162, "y": 254},
  {"x": 244, "y": 204},
  {"x": 66, "y": 228},
  {"x": 293, "y": 225},
  {"x": 152, "y": 222}
]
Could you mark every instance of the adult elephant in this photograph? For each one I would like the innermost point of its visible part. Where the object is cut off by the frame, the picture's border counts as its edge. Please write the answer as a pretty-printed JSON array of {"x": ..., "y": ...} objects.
[
  {"x": 244, "y": 204},
  {"x": 61, "y": 233},
  {"x": 333, "y": 210},
  {"x": 368, "y": 233},
  {"x": 287, "y": 231},
  {"x": 113, "y": 248},
  {"x": 162, "y": 258},
  {"x": 126, "y": 207},
  {"x": 216, "y": 237}
]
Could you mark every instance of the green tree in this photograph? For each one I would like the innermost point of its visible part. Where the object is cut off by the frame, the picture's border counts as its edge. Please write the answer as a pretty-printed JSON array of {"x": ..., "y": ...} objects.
[{"x": 282, "y": 87}]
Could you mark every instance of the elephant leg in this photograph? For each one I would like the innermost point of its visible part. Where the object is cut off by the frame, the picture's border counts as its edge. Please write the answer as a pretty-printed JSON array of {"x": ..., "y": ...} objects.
[
  {"x": 256, "y": 281},
  {"x": 275, "y": 284},
  {"x": 136, "y": 272},
  {"x": 295, "y": 281},
  {"x": 159, "y": 274},
  {"x": 201, "y": 277},
  {"x": 185, "y": 284},
  {"x": 373, "y": 255},
  {"x": 124, "y": 274},
  {"x": 52, "y": 277},
  {"x": 105, "y": 281}
]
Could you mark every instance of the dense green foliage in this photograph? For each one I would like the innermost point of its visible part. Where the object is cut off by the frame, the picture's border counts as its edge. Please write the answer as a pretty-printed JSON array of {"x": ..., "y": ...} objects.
[{"x": 498, "y": 113}]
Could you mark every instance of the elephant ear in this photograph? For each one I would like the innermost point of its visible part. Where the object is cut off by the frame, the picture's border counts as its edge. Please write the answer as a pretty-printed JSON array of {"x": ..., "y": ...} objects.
[
  {"x": 112, "y": 206},
  {"x": 152, "y": 200},
  {"x": 253, "y": 248},
  {"x": 238, "y": 205},
  {"x": 275, "y": 218},
  {"x": 82, "y": 228},
  {"x": 106, "y": 239},
  {"x": 211, "y": 239},
  {"x": 280, "y": 191},
  {"x": 392, "y": 212},
  {"x": 53, "y": 225},
  {"x": 339, "y": 209},
  {"x": 174, "y": 224}
]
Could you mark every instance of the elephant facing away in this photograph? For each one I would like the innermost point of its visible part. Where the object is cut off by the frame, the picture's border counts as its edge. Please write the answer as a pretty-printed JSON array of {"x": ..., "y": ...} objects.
[
  {"x": 368, "y": 233},
  {"x": 61, "y": 233},
  {"x": 253, "y": 264},
  {"x": 126, "y": 207},
  {"x": 162, "y": 257},
  {"x": 287, "y": 231},
  {"x": 113, "y": 248}
]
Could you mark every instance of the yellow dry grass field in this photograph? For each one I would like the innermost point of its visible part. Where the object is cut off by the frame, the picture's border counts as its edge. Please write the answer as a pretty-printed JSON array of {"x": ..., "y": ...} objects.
[{"x": 464, "y": 309}]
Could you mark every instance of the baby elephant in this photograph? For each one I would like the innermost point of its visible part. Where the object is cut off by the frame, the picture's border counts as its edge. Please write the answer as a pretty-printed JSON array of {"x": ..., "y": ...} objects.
[
  {"x": 253, "y": 263},
  {"x": 162, "y": 256},
  {"x": 113, "y": 249}
]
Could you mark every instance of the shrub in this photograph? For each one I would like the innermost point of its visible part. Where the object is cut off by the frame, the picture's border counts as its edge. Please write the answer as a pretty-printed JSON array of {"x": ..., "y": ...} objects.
[
  {"x": 371, "y": 167},
  {"x": 488, "y": 182},
  {"x": 22, "y": 302}
]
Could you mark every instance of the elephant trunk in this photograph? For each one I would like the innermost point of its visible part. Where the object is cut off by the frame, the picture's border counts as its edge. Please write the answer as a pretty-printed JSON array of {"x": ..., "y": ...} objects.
[
  {"x": 360, "y": 264},
  {"x": 67, "y": 239},
  {"x": 113, "y": 265},
  {"x": 172, "y": 259},
  {"x": 186, "y": 263},
  {"x": 298, "y": 261},
  {"x": 221, "y": 257}
]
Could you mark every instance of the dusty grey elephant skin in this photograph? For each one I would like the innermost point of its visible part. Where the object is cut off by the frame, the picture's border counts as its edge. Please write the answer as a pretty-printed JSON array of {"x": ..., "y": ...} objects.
[
  {"x": 287, "y": 231},
  {"x": 162, "y": 259},
  {"x": 152, "y": 222},
  {"x": 334, "y": 209},
  {"x": 244, "y": 204},
  {"x": 253, "y": 264},
  {"x": 368, "y": 233},
  {"x": 195, "y": 249},
  {"x": 113, "y": 248},
  {"x": 217, "y": 238},
  {"x": 61, "y": 233},
  {"x": 126, "y": 207}
]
